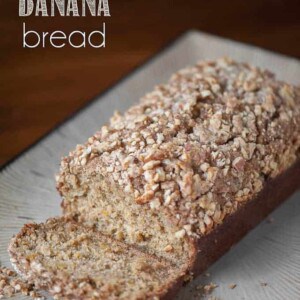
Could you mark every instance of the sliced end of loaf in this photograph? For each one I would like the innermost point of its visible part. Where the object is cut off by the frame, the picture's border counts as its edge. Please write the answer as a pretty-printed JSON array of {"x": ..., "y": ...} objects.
[
  {"x": 99, "y": 202},
  {"x": 77, "y": 262}
]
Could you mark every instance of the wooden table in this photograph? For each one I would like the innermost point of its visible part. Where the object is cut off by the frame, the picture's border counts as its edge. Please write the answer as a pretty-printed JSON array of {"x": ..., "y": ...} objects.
[{"x": 40, "y": 87}]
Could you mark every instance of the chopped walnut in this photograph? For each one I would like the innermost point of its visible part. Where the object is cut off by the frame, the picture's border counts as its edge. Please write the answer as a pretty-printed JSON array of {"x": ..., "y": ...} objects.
[{"x": 11, "y": 284}]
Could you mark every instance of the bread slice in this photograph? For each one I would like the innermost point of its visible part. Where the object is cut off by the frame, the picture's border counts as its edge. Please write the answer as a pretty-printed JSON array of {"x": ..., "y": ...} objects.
[{"x": 76, "y": 262}]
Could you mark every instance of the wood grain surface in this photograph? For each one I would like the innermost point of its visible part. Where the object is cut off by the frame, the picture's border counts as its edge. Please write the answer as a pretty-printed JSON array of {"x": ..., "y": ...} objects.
[{"x": 40, "y": 87}]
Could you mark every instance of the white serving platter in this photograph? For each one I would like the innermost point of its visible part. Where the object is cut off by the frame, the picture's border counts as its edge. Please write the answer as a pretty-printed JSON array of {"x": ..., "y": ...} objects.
[{"x": 269, "y": 254}]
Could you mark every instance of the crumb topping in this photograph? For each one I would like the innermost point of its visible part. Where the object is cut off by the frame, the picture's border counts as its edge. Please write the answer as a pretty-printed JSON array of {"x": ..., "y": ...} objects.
[
  {"x": 199, "y": 146},
  {"x": 11, "y": 285},
  {"x": 207, "y": 288}
]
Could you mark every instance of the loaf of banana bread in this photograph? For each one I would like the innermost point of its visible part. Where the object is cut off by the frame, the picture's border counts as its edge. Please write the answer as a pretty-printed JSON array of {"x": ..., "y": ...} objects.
[{"x": 190, "y": 169}]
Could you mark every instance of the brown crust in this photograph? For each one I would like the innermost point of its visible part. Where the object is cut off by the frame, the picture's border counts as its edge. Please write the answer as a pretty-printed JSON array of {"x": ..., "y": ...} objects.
[
  {"x": 276, "y": 191},
  {"x": 214, "y": 245}
]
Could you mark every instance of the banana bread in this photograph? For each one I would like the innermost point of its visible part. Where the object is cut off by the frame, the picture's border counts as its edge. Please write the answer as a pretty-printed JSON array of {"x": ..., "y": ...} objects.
[{"x": 188, "y": 171}]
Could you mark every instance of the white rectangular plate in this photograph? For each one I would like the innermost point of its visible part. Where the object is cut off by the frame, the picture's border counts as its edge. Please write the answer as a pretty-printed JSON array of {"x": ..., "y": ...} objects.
[{"x": 269, "y": 254}]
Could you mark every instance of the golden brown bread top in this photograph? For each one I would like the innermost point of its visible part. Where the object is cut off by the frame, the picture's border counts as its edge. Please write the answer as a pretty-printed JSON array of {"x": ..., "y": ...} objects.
[{"x": 198, "y": 146}]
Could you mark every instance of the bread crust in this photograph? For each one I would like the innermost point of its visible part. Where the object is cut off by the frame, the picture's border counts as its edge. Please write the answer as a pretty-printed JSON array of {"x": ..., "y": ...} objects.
[
  {"x": 234, "y": 228},
  {"x": 213, "y": 246}
]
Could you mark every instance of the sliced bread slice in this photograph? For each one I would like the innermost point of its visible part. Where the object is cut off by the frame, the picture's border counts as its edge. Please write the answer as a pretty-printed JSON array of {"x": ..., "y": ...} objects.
[{"x": 72, "y": 261}]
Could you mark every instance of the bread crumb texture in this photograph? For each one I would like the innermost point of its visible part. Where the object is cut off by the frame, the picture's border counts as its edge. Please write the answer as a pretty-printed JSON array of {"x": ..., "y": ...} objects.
[
  {"x": 202, "y": 290},
  {"x": 75, "y": 262},
  {"x": 197, "y": 147}
]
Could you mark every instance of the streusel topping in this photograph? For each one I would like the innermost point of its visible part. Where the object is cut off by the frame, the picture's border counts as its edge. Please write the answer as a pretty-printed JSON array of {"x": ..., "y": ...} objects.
[
  {"x": 200, "y": 145},
  {"x": 11, "y": 285}
]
